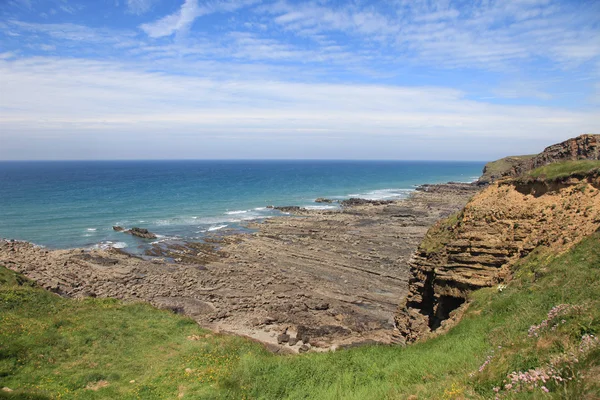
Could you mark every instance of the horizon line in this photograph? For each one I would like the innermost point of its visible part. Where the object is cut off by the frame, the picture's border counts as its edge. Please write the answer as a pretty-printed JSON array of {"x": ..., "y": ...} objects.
[{"x": 239, "y": 159}]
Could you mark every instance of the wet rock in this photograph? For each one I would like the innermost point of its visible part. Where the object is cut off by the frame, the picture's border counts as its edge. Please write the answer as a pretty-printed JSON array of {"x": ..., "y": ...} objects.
[
  {"x": 361, "y": 202},
  {"x": 288, "y": 209},
  {"x": 324, "y": 200},
  {"x": 118, "y": 228},
  {"x": 141, "y": 232}
]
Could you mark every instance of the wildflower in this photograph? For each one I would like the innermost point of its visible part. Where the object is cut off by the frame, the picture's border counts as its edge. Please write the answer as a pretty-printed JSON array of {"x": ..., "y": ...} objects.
[{"x": 545, "y": 389}]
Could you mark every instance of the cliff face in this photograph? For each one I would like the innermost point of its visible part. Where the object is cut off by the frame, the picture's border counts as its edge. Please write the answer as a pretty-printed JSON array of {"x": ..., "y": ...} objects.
[
  {"x": 584, "y": 147},
  {"x": 501, "y": 224}
]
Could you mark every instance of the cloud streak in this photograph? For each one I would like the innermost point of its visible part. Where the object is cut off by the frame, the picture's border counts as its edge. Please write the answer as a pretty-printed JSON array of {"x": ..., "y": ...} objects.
[
  {"x": 182, "y": 20},
  {"x": 85, "y": 98}
]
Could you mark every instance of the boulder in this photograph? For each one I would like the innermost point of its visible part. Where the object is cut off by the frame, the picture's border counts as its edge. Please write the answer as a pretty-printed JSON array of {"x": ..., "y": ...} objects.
[{"x": 283, "y": 338}]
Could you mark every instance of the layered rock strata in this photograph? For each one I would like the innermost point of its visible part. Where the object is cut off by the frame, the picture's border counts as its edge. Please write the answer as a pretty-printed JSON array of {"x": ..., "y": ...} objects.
[{"x": 477, "y": 247}]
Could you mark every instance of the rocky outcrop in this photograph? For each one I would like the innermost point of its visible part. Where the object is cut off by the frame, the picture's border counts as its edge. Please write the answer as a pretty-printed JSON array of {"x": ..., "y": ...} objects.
[
  {"x": 477, "y": 247},
  {"x": 142, "y": 233},
  {"x": 584, "y": 147},
  {"x": 353, "y": 201}
]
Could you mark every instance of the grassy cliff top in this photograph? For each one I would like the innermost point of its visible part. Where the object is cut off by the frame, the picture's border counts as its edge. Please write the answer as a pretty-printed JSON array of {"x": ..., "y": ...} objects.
[
  {"x": 564, "y": 169},
  {"x": 495, "y": 169},
  {"x": 541, "y": 327}
]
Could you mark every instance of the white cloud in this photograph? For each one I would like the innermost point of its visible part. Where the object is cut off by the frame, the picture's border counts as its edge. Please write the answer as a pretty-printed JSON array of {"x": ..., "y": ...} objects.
[
  {"x": 183, "y": 19},
  {"x": 139, "y": 7},
  {"x": 488, "y": 35},
  {"x": 77, "y": 99}
]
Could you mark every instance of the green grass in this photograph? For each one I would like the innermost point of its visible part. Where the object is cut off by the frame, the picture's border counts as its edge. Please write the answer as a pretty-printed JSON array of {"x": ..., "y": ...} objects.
[
  {"x": 440, "y": 234},
  {"x": 55, "y": 347},
  {"x": 564, "y": 169}
]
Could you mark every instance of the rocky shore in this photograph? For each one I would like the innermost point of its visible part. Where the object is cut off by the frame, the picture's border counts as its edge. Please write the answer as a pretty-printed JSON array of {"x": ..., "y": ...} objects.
[{"x": 314, "y": 280}]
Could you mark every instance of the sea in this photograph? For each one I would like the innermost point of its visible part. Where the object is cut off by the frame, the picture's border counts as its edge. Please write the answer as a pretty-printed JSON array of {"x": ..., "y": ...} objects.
[{"x": 69, "y": 204}]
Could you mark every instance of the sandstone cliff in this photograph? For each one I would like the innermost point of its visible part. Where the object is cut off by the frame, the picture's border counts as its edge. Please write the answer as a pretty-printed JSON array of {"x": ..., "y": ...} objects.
[{"x": 501, "y": 224}]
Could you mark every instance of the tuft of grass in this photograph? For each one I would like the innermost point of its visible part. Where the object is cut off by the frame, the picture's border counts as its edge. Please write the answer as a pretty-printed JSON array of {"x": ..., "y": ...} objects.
[
  {"x": 564, "y": 169},
  {"x": 57, "y": 348}
]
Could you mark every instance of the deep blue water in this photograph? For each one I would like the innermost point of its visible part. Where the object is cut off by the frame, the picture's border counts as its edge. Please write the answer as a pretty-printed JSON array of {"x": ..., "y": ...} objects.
[{"x": 76, "y": 203}]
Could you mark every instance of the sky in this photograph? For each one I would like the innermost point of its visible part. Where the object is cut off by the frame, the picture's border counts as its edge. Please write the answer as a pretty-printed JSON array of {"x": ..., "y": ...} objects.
[{"x": 256, "y": 79}]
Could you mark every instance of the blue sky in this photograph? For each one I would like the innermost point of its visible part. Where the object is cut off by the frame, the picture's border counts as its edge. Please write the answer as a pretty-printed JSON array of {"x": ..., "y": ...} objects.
[{"x": 397, "y": 79}]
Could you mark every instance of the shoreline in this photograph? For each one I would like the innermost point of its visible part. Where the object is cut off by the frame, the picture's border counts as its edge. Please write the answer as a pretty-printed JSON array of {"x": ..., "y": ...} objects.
[{"x": 331, "y": 277}]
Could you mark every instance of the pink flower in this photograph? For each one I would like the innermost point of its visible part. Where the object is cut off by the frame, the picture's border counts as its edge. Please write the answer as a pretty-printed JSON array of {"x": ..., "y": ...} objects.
[{"x": 545, "y": 389}]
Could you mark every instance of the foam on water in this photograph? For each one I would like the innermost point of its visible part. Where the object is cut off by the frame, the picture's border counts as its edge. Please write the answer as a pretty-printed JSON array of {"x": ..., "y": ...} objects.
[
  {"x": 236, "y": 212},
  {"x": 105, "y": 245},
  {"x": 383, "y": 194},
  {"x": 321, "y": 207},
  {"x": 216, "y": 228}
]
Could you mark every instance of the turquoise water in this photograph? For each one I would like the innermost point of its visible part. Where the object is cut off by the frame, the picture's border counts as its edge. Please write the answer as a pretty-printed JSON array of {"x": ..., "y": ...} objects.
[{"x": 76, "y": 203}]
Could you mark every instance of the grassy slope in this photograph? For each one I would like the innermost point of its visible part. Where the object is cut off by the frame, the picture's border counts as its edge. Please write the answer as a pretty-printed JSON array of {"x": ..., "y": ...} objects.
[
  {"x": 55, "y": 347},
  {"x": 564, "y": 169}
]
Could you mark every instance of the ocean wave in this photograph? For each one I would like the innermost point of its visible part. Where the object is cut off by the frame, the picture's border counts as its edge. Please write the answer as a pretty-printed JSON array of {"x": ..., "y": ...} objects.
[
  {"x": 383, "y": 194},
  {"x": 321, "y": 207},
  {"x": 108, "y": 245},
  {"x": 90, "y": 229},
  {"x": 216, "y": 228},
  {"x": 236, "y": 212}
]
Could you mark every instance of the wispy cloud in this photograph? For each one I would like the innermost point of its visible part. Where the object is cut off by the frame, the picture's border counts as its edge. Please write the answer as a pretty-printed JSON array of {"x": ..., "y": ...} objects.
[
  {"x": 182, "y": 20},
  {"x": 484, "y": 34},
  {"x": 85, "y": 97},
  {"x": 139, "y": 7},
  {"x": 300, "y": 71}
]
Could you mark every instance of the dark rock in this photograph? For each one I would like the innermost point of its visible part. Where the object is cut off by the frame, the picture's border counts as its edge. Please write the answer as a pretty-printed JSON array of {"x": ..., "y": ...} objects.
[
  {"x": 293, "y": 341},
  {"x": 304, "y": 348},
  {"x": 323, "y": 200},
  {"x": 361, "y": 202},
  {"x": 288, "y": 208},
  {"x": 140, "y": 232},
  {"x": 118, "y": 228},
  {"x": 283, "y": 338}
]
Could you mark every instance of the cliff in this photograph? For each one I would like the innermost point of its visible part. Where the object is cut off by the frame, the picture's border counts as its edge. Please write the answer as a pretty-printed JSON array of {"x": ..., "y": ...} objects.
[
  {"x": 584, "y": 147},
  {"x": 501, "y": 224}
]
